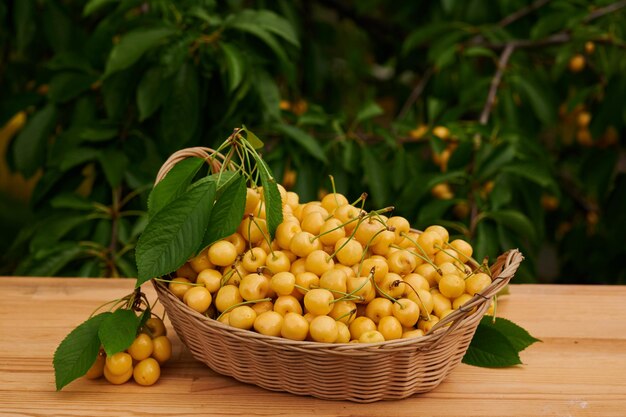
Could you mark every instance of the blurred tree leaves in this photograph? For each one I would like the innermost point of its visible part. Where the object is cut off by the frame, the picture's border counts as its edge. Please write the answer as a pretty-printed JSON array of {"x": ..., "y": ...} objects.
[{"x": 361, "y": 91}]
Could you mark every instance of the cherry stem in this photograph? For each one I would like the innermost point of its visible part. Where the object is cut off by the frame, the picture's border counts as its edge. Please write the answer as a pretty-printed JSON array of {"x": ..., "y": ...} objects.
[
  {"x": 348, "y": 314},
  {"x": 260, "y": 269},
  {"x": 426, "y": 258},
  {"x": 423, "y": 258},
  {"x": 455, "y": 258},
  {"x": 227, "y": 276},
  {"x": 243, "y": 303},
  {"x": 301, "y": 288},
  {"x": 329, "y": 289},
  {"x": 361, "y": 218},
  {"x": 265, "y": 236},
  {"x": 369, "y": 242},
  {"x": 168, "y": 281},
  {"x": 417, "y": 295},
  {"x": 333, "y": 229},
  {"x": 113, "y": 302},
  {"x": 251, "y": 217},
  {"x": 469, "y": 258},
  {"x": 361, "y": 198},
  {"x": 485, "y": 267},
  {"x": 332, "y": 183},
  {"x": 384, "y": 294},
  {"x": 353, "y": 292}
]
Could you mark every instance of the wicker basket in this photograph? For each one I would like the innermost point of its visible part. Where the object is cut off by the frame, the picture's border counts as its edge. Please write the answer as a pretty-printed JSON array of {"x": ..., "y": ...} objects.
[{"x": 356, "y": 372}]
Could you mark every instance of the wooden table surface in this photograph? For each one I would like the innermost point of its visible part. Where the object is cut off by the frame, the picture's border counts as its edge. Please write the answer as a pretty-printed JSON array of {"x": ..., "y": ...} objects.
[{"x": 578, "y": 370}]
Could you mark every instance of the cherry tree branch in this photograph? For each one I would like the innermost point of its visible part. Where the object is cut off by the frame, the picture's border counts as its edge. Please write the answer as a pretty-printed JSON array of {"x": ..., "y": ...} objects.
[
  {"x": 524, "y": 11},
  {"x": 554, "y": 39},
  {"x": 416, "y": 93},
  {"x": 495, "y": 83},
  {"x": 613, "y": 7}
]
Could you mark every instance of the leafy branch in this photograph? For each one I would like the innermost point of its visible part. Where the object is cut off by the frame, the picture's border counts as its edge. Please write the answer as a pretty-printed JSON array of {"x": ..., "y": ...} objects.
[{"x": 557, "y": 38}]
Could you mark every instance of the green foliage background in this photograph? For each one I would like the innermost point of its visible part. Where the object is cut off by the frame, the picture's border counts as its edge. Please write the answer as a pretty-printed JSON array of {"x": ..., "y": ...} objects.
[{"x": 354, "y": 89}]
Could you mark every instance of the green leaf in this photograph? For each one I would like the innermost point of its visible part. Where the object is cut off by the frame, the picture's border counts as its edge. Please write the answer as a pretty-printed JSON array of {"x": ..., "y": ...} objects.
[
  {"x": 78, "y": 351},
  {"x": 117, "y": 94},
  {"x": 487, "y": 243},
  {"x": 539, "y": 99},
  {"x": 253, "y": 139},
  {"x": 133, "y": 45},
  {"x": 30, "y": 144},
  {"x": 95, "y": 5},
  {"x": 264, "y": 35},
  {"x": 399, "y": 171},
  {"x": 139, "y": 226},
  {"x": 51, "y": 177},
  {"x": 98, "y": 134},
  {"x": 69, "y": 61},
  {"x": 305, "y": 140},
  {"x": 227, "y": 212},
  {"x": 54, "y": 229},
  {"x": 68, "y": 85},
  {"x": 59, "y": 31},
  {"x": 128, "y": 269},
  {"x": 267, "y": 91},
  {"x": 201, "y": 13},
  {"x": 114, "y": 163},
  {"x": 502, "y": 193},
  {"x": 434, "y": 210},
  {"x": 235, "y": 65},
  {"x": 48, "y": 262},
  {"x": 174, "y": 55},
  {"x": 145, "y": 315},
  {"x": 151, "y": 92},
  {"x": 71, "y": 201},
  {"x": 375, "y": 176},
  {"x": 77, "y": 156},
  {"x": 549, "y": 23},
  {"x": 273, "y": 202},
  {"x": 370, "y": 110},
  {"x": 519, "y": 337},
  {"x": 436, "y": 144},
  {"x": 91, "y": 269},
  {"x": 515, "y": 221},
  {"x": 495, "y": 159},
  {"x": 24, "y": 18},
  {"x": 490, "y": 348},
  {"x": 180, "y": 112},
  {"x": 445, "y": 58},
  {"x": 597, "y": 172},
  {"x": 479, "y": 51},
  {"x": 533, "y": 172},
  {"x": 434, "y": 106},
  {"x": 175, "y": 232},
  {"x": 349, "y": 155},
  {"x": 265, "y": 19},
  {"x": 118, "y": 330},
  {"x": 452, "y": 176},
  {"x": 424, "y": 34},
  {"x": 222, "y": 179},
  {"x": 174, "y": 184}
]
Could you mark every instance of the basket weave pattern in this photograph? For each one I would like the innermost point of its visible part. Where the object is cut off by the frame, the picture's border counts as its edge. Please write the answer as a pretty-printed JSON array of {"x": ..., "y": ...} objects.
[{"x": 357, "y": 372}]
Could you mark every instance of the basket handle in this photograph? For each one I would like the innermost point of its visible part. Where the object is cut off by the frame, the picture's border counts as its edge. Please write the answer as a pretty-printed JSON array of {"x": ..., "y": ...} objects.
[
  {"x": 210, "y": 156},
  {"x": 503, "y": 269}
]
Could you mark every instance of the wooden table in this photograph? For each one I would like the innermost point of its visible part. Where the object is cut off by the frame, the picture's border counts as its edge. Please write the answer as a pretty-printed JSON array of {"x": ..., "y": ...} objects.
[{"x": 578, "y": 370}]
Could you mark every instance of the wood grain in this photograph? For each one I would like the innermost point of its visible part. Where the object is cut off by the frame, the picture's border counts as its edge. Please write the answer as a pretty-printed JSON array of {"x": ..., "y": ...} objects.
[{"x": 578, "y": 369}]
